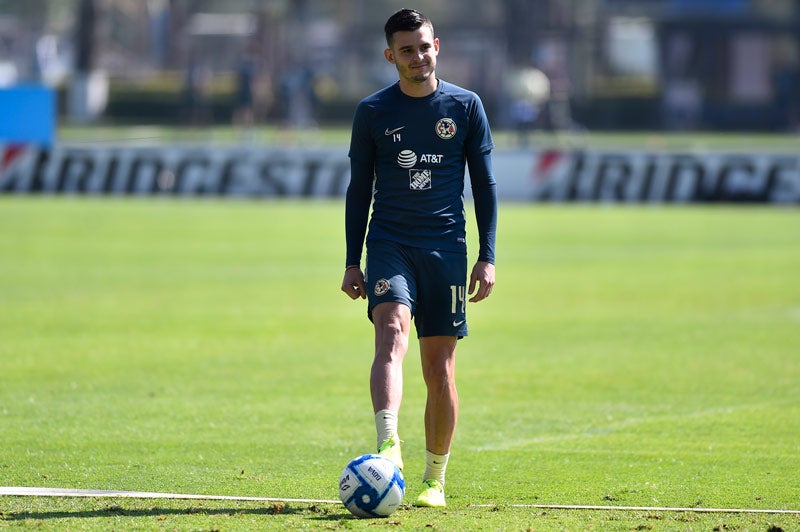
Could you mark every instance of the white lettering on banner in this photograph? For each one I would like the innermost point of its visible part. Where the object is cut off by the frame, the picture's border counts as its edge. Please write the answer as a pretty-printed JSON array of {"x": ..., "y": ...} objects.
[
  {"x": 549, "y": 175},
  {"x": 178, "y": 171},
  {"x": 645, "y": 177}
]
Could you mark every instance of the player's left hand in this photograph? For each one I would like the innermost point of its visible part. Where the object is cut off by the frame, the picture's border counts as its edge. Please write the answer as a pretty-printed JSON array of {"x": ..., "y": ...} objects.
[
  {"x": 353, "y": 283},
  {"x": 482, "y": 278}
]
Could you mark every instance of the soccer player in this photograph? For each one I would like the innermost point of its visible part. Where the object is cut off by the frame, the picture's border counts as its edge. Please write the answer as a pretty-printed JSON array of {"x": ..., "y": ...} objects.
[{"x": 409, "y": 147}]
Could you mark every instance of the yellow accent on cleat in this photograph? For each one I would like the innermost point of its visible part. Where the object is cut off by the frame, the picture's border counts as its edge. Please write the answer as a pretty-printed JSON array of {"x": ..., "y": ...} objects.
[
  {"x": 432, "y": 495},
  {"x": 391, "y": 449}
]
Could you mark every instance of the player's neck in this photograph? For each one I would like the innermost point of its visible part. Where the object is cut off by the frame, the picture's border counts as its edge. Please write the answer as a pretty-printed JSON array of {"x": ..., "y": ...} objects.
[{"x": 419, "y": 90}]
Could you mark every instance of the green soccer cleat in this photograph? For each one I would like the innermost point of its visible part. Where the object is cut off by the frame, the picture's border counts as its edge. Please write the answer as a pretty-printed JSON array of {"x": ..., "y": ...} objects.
[
  {"x": 432, "y": 495},
  {"x": 391, "y": 449}
]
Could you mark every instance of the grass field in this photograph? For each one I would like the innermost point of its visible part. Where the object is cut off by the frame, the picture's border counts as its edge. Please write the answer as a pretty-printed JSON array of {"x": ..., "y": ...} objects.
[
  {"x": 636, "y": 356},
  {"x": 340, "y": 137}
]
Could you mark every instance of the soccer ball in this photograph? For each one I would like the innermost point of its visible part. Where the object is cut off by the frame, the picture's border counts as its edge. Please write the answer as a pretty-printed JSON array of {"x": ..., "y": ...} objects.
[{"x": 371, "y": 486}]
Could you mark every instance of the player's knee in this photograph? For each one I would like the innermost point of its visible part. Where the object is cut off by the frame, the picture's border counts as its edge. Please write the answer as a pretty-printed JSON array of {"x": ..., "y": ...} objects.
[
  {"x": 391, "y": 338},
  {"x": 440, "y": 373},
  {"x": 440, "y": 384}
]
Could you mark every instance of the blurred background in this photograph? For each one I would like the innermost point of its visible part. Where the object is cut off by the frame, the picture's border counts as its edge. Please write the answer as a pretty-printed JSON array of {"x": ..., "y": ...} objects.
[{"x": 671, "y": 65}]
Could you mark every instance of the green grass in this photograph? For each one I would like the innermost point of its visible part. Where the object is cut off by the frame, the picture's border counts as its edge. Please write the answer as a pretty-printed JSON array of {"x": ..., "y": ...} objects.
[
  {"x": 340, "y": 136},
  {"x": 641, "y": 356}
]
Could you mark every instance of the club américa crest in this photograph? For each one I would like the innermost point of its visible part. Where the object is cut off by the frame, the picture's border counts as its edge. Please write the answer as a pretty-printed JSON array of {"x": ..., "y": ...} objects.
[
  {"x": 446, "y": 128},
  {"x": 382, "y": 286}
]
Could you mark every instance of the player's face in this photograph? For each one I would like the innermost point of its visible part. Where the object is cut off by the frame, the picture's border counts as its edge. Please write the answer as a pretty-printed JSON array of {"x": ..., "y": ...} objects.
[{"x": 414, "y": 53}]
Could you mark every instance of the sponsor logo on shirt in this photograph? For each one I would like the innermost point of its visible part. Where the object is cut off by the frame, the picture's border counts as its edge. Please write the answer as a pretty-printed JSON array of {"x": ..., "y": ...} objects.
[
  {"x": 430, "y": 158},
  {"x": 446, "y": 128},
  {"x": 419, "y": 179},
  {"x": 407, "y": 158}
]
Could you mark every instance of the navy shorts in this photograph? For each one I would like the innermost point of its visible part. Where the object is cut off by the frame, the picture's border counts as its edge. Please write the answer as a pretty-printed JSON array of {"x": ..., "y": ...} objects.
[{"x": 431, "y": 283}]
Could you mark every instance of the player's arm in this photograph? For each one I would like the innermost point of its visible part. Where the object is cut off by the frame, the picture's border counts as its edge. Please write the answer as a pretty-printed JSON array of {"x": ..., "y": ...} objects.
[
  {"x": 357, "y": 203},
  {"x": 484, "y": 193}
]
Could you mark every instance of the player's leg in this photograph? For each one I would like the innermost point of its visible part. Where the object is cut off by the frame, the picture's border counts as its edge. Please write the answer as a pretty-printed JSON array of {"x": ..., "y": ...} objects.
[
  {"x": 438, "y": 355},
  {"x": 392, "y": 325},
  {"x": 441, "y": 321},
  {"x": 391, "y": 291},
  {"x": 441, "y": 414}
]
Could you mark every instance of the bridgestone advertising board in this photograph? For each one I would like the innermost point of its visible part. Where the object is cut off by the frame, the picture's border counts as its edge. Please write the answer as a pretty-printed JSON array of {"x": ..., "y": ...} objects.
[{"x": 522, "y": 175}]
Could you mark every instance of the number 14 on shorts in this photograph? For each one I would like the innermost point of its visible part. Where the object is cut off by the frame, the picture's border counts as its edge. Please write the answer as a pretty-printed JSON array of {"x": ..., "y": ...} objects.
[{"x": 458, "y": 295}]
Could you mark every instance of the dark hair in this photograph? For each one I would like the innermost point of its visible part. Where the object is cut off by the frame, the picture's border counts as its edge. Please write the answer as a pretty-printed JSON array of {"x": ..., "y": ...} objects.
[{"x": 405, "y": 20}]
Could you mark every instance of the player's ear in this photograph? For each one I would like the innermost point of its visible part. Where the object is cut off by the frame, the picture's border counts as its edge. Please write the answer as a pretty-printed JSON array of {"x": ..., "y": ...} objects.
[
  {"x": 388, "y": 55},
  {"x": 436, "y": 45}
]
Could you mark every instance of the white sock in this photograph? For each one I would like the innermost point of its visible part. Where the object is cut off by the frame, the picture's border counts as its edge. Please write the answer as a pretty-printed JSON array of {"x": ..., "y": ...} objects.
[
  {"x": 386, "y": 425},
  {"x": 435, "y": 466}
]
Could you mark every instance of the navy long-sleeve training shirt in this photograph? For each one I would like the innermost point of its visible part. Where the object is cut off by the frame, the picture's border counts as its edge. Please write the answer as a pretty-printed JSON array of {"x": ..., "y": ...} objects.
[{"x": 407, "y": 160}]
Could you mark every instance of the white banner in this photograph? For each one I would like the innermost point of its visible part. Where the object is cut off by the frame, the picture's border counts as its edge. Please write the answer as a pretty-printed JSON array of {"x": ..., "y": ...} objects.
[
  {"x": 634, "y": 176},
  {"x": 532, "y": 176}
]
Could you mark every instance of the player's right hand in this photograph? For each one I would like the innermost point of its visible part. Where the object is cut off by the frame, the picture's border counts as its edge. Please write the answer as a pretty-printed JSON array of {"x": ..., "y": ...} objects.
[{"x": 353, "y": 283}]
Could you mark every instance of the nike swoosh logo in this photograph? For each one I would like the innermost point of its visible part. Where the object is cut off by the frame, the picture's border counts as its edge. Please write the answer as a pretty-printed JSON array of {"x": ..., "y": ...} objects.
[
  {"x": 392, "y": 131},
  {"x": 458, "y": 323}
]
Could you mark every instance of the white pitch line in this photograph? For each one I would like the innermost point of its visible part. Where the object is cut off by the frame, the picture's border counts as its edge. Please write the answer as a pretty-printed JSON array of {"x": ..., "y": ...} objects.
[
  {"x": 640, "y": 508},
  {"x": 61, "y": 492}
]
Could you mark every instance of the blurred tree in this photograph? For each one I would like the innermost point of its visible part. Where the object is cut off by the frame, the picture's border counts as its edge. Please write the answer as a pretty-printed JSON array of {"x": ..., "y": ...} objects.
[
  {"x": 88, "y": 90},
  {"x": 30, "y": 11},
  {"x": 85, "y": 36},
  {"x": 519, "y": 17}
]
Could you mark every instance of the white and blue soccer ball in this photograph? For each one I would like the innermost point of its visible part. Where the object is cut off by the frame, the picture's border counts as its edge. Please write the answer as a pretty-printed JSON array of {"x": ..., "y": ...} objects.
[{"x": 372, "y": 486}]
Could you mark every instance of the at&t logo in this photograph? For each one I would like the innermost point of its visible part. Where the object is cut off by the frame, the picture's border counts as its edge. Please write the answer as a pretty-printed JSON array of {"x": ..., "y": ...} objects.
[{"x": 407, "y": 159}]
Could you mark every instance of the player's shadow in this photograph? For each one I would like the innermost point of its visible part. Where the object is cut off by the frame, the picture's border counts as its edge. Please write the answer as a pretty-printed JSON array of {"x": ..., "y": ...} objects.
[{"x": 156, "y": 512}]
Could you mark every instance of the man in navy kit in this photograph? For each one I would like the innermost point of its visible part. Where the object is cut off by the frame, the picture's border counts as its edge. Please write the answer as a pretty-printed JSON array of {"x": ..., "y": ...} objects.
[{"x": 409, "y": 147}]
